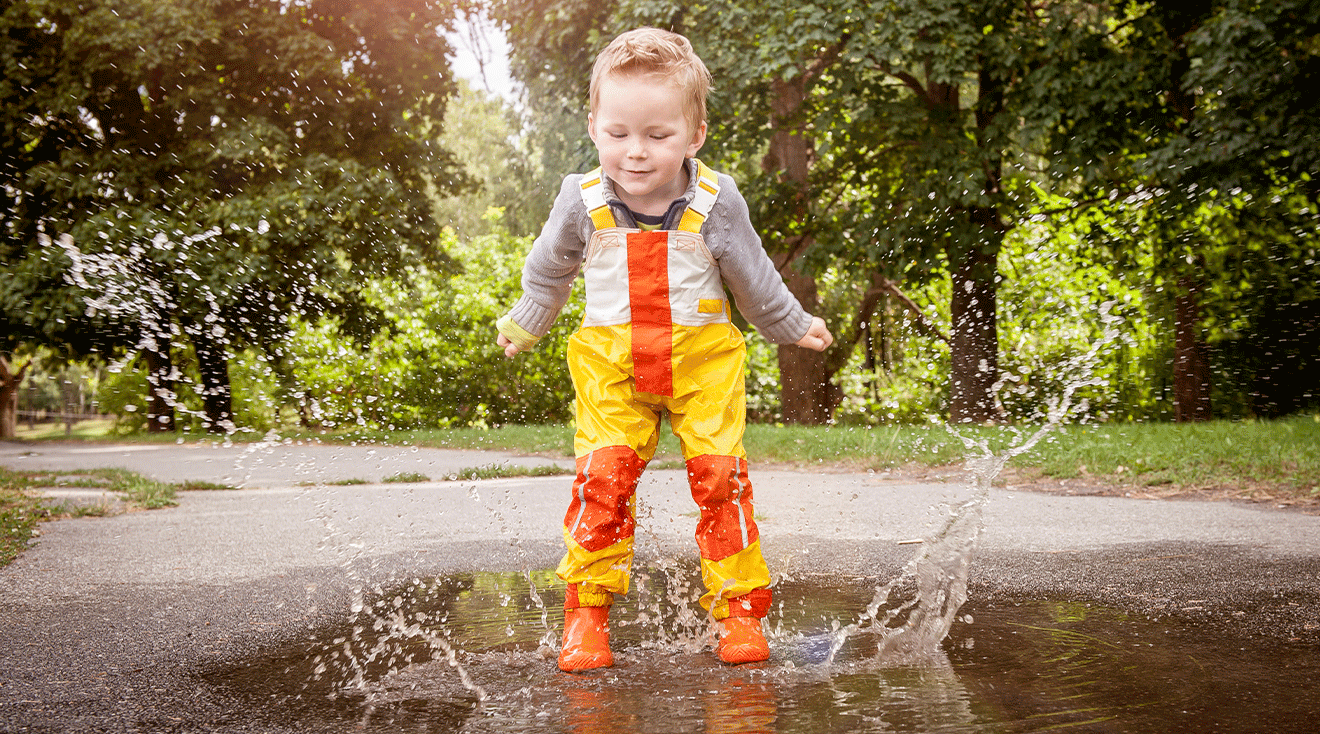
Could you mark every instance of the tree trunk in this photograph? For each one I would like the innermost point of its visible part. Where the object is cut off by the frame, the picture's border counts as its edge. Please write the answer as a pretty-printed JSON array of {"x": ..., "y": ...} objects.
[
  {"x": 289, "y": 387},
  {"x": 1191, "y": 363},
  {"x": 974, "y": 340},
  {"x": 807, "y": 396},
  {"x": 9, "y": 384},
  {"x": 217, "y": 397},
  {"x": 161, "y": 396}
]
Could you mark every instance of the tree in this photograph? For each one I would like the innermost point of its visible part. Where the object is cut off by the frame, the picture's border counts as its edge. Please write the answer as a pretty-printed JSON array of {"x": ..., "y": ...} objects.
[
  {"x": 10, "y": 381},
  {"x": 202, "y": 170},
  {"x": 893, "y": 133},
  {"x": 908, "y": 139},
  {"x": 487, "y": 139},
  {"x": 1213, "y": 100}
]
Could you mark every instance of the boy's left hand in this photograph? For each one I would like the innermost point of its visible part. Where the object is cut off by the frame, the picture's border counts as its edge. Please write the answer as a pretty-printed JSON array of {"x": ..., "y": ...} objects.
[
  {"x": 818, "y": 337},
  {"x": 510, "y": 349}
]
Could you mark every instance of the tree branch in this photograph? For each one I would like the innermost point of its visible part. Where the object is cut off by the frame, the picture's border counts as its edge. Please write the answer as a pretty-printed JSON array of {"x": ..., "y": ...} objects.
[
  {"x": 7, "y": 376},
  {"x": 838, "y": 356},
  {"x": 824, "y": 60},
  {"x": 922, "y": 323},
  {"x": 910, "y": 81}
]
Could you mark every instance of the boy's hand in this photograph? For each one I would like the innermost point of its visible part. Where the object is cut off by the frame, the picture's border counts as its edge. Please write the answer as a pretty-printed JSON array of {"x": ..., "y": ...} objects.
[
  {"x": 510, "y": 349},
  {"x": 818, "y": 337}
]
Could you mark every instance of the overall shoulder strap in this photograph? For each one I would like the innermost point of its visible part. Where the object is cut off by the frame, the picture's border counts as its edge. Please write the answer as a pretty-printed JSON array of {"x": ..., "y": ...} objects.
[
  {"x": 593, "y": 195},
  {"x": 708, "y": 187}
]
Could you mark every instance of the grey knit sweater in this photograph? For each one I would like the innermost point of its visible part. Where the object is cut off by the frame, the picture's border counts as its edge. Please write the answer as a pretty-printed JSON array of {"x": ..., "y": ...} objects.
[{"x": 757, "y": 288}]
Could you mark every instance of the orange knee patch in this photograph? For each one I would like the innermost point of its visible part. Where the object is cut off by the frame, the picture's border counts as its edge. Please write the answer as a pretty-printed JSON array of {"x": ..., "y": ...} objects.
[
  {"x": 600, "y": 513},
  {"x": 723, "y": 492}
]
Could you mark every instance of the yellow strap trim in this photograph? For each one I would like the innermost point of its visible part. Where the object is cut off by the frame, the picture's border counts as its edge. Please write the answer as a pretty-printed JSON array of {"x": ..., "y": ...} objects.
[
  {"x": 708, "y": 188},
  {"x": 691, "y": 222},
  {"x": 602, "y": 217},
  {"x": 593, "y": 196}
]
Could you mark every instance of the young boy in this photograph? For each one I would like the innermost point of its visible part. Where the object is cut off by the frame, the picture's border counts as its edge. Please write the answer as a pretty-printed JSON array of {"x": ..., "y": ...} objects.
[{"x": 657, "y": 237}]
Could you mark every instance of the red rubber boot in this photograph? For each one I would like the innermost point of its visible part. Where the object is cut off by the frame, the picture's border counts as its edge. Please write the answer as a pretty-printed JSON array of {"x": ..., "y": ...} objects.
[
  {"x": 742, "y": 641},
  {"x": 586, "y": 639}
]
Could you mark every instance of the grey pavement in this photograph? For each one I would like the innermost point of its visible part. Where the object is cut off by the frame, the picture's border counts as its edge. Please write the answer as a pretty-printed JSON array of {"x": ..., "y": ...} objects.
[{"x": 106, "y": 620}]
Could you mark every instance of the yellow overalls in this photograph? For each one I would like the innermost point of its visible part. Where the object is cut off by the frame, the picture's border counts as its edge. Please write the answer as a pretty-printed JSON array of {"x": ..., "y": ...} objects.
[{"x": 656, "y": 336}]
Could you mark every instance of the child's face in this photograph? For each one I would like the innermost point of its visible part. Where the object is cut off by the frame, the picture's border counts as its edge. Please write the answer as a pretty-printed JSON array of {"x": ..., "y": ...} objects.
[{"x": 643, "y": 137}]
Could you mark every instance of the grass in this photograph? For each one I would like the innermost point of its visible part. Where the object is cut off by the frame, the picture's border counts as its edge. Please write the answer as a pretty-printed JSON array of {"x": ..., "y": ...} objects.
[
  {"x": 19, "y": 514},
  {"x": 1281, "y": 456},
  {"x": 88, "y": 430},
  {"x": 200, "y": 485},
  {"x": 406, "y": 478},
  {"x": 22, "y": 508},
  {"x": 139, "y": 491},
  {"x": 500, "y": 471}
]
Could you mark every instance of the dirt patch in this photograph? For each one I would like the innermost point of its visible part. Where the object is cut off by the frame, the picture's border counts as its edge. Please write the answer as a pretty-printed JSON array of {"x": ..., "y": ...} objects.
[
  {"x": 1031, "y": 479},
  {"x": 1262, "y": 494}
]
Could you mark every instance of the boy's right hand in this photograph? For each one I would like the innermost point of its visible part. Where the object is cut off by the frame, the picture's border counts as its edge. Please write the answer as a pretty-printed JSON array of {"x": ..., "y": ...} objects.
[
  {"x": 510, "y": 349},
  {"x": 818, "y": 337}
]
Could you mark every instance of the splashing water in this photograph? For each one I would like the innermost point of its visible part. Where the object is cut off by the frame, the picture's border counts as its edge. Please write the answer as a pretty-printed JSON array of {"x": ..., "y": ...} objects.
[
  {"x": 911, "y": 614},
  {"x": 907, "y": 619}
]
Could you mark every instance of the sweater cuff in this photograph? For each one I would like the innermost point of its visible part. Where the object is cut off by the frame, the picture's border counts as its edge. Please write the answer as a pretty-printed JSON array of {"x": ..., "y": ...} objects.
[
  {"x": 532, "y": 316},
  {"x": 787, "y": 331},
  {"x": 515, "y": 333}
]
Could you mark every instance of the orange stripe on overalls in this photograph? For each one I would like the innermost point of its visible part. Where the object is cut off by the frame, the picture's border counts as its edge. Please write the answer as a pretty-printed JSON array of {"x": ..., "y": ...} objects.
[{"x": 652, "y": 321}]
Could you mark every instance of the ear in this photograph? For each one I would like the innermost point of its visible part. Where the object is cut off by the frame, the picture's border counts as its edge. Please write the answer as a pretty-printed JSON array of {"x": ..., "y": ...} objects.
[
  {"x": 698, "y": 140},
  {"x": 591, "y": 126}
]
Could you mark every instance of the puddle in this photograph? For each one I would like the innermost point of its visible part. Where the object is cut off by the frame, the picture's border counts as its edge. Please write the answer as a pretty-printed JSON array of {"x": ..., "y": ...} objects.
[{"x": 476, "y": 653}]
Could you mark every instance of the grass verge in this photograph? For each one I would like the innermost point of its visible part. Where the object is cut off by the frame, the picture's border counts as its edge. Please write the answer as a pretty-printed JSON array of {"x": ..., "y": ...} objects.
[
  {"x": 1280, "y": 458},
  {"x": 22, "y": 507},
  {"x": 502, "y": 471}
]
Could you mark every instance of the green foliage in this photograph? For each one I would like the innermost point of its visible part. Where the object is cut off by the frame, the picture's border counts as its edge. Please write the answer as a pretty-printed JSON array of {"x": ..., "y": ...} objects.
[
  {"x": 19, "y": 514},
  {"x": 1250, "y": 64},
  {"x": 501, "y": 471},
  {"x": 53, "y": 384},
  {"x": 406, "y": 478},
  {"x": 492, "y": 147},
  {"x": 1284, "y": 454},
  {"x": 435, "y": 361},
  {"x": 141, "y": 491},
  {"x": 257, "y": 407},
  {"x": 207, "y": 170}
]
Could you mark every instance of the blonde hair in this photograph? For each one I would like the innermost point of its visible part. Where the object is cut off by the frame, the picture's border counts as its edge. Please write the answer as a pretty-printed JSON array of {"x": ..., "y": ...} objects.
[{"x": 652, "y": 51}]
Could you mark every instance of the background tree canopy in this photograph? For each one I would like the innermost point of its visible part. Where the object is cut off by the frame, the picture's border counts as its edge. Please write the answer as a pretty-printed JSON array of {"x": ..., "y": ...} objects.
[
  {"x": 903, "y": 141},
  {"x": 203, "y": 170},
  {"x": 961, "y": 187}
]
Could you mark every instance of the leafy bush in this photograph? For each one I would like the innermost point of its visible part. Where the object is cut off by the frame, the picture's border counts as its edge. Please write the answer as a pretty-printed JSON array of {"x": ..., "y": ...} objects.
[
  {"x": 123, "y": 394},
  {"x": 435, "y": 362}
]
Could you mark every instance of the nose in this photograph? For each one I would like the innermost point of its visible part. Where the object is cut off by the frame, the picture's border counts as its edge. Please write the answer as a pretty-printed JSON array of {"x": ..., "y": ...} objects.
[{"x": 637, "y": 147}]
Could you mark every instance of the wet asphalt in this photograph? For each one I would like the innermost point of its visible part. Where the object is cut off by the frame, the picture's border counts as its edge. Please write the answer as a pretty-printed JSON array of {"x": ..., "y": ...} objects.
[{"x": 111, "y": 623}]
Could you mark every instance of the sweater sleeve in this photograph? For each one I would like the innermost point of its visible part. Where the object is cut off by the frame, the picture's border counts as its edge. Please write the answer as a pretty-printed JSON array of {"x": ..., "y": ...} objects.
[
  {"x": 550, "y": 268},
  {"x": 758, "y": 289}
]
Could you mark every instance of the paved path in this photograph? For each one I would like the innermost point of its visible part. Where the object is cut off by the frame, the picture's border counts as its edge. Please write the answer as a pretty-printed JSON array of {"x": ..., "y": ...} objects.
[{"x": 104, "y": 617}]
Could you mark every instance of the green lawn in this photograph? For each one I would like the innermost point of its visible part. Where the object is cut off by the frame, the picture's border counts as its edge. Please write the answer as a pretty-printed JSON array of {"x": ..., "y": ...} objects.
[
  {"x": 1277, "y": 459},
  {"x": 1284, "y": 454},
  {"x": 22, "y": 507}
]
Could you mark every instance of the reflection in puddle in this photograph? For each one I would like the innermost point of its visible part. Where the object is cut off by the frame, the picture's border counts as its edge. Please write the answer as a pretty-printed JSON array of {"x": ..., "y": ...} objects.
[{"x": 475, "y": 653}]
